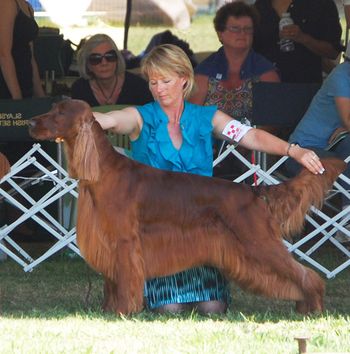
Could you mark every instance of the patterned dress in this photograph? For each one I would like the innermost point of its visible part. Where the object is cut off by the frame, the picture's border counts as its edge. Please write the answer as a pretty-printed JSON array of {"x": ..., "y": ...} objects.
[{"x": 237, "y": 102}]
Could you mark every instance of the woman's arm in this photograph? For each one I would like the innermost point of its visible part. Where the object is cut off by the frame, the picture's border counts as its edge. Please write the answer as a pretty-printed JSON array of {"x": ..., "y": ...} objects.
[
  {"x": 317, "y": 46},
  {"x": 260, "y": 140},
  {"x": 201, "y": 89},
  {"x": 270, "y": 76},
  {"x": 125, "y": 121},
  {"x": 7, "y": 65},
  {"x": 38, "y": 90},
  {"x": 343, "y": 107}
]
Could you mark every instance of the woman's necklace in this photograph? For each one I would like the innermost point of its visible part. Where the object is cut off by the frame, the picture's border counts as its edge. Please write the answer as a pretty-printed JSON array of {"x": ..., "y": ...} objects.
[{"x": 107, "y": 99}]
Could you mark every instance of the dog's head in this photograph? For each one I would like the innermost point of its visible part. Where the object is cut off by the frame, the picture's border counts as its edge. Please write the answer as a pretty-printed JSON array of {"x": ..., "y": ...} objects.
[
  {"x": 71, "y": 121},
  {"x": 63, "y": 121}
]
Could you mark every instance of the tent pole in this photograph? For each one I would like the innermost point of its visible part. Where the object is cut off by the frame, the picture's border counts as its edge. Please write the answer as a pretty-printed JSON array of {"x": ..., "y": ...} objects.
[{"x": 127, "y": 23}]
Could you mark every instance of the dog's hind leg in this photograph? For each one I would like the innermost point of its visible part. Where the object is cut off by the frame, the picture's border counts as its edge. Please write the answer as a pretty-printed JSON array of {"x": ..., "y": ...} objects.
[
  {"x": 313, "y": 295},
  {"x": 272, "y": 271},
  {"x": 255, "y": 257}
]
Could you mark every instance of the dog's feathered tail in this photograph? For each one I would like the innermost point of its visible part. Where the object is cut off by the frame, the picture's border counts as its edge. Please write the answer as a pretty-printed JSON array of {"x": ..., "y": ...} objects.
[
  {"x": 4, "y": 165},
  {"x": 289, "y": 202}
]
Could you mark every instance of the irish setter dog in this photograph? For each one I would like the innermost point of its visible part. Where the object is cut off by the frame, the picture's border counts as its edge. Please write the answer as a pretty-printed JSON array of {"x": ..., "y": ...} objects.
[{"x": 136, "y": 222}]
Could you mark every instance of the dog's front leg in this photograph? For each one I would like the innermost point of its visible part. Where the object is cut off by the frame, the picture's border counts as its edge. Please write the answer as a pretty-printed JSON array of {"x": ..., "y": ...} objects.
[
  {"x": 110, "y": 295},
  {"x": 125, "y": 293}
]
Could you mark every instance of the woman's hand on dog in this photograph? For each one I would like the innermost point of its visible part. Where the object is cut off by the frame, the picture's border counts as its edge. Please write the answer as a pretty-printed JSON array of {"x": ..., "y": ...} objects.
[{"x": 307, "y": 158}]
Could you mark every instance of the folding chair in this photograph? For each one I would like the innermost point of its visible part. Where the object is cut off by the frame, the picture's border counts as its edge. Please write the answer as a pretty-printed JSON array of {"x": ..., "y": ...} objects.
[
  {"x": 36, "y": 209},
  {"x": 33, "y": 188}
]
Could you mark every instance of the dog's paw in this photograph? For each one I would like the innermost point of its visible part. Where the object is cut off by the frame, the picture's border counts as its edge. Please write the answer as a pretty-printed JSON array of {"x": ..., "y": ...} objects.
[{"x": 309, "y": 307}]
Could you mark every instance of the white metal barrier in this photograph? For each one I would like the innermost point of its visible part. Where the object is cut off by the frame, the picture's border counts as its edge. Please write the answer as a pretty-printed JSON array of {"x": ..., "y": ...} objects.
[
  {"x": 63, "y": 189},
  {"x": 60, "y": 189}
]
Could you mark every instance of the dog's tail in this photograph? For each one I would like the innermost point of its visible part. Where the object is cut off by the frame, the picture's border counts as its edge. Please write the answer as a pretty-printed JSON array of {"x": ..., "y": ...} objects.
[
  {"x": 289, "y": 202},
  {"x": 4, "y": 165}
]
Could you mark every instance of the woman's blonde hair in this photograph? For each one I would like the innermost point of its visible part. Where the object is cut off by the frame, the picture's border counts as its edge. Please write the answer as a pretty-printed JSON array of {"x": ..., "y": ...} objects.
[
  {"x": 167, "y": 59},
  {"x": 90, "y": 43}
]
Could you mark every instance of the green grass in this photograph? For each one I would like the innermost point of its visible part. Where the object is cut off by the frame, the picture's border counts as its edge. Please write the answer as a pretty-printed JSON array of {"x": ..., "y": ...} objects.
[
  {"x": 201, "y": 35},
  {"x": 56, "y": 309}
]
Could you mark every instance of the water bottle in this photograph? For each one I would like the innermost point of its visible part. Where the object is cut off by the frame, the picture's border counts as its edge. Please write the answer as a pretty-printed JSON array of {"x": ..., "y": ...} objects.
[{"x": 286, "y": 45}]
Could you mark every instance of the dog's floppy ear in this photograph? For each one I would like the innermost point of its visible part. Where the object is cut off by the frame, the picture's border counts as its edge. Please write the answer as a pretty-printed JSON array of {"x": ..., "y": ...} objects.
[
  {"x": 4, "y": 165},
  {"x": 85, "y": 155}
]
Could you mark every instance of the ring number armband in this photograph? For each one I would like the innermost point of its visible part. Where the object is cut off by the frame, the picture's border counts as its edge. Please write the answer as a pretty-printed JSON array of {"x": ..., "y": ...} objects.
[{"x": 235, "y": 130}]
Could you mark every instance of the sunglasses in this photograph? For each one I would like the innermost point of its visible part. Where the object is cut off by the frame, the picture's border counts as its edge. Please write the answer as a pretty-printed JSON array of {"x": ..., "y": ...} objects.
[{"x": 96, "y": 58}]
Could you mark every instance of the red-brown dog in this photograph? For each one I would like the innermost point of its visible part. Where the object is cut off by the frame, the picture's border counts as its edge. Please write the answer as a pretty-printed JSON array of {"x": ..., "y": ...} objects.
[{"x": 136, "y": 222}]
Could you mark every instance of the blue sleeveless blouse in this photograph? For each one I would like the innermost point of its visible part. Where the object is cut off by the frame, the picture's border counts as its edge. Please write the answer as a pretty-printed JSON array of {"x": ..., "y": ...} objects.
[{"x": 154, "y": 146}]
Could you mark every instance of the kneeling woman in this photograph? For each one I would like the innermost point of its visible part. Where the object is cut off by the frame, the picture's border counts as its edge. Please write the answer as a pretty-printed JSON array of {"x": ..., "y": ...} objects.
[{"x": 173, "y": 134}]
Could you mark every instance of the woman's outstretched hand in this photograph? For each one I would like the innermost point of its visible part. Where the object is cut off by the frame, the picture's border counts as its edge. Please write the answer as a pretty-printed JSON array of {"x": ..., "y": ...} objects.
[{"x": 307, "y": 158}]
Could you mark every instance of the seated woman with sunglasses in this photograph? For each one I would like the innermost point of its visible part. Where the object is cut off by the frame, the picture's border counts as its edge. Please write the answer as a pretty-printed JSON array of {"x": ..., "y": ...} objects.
[{"x": 104, "y": 80}]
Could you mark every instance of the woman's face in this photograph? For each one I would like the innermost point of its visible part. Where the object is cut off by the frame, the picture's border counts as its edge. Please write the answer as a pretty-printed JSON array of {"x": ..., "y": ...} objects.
[
  {"x": 238, "y": 33},
  {"x": 167, "y": 89},
  {"x": 102, "y": 61}
]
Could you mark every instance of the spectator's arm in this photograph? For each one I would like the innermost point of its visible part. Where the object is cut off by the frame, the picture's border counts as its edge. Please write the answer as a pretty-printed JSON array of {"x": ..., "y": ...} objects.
[
  {"x": 38, "y": 90},
  {"x": 270, "y": 76},
  {"x": 343, "y": 107},
  {"x": 201, "y": 89},
  {"x": 320, "y": 47}
]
